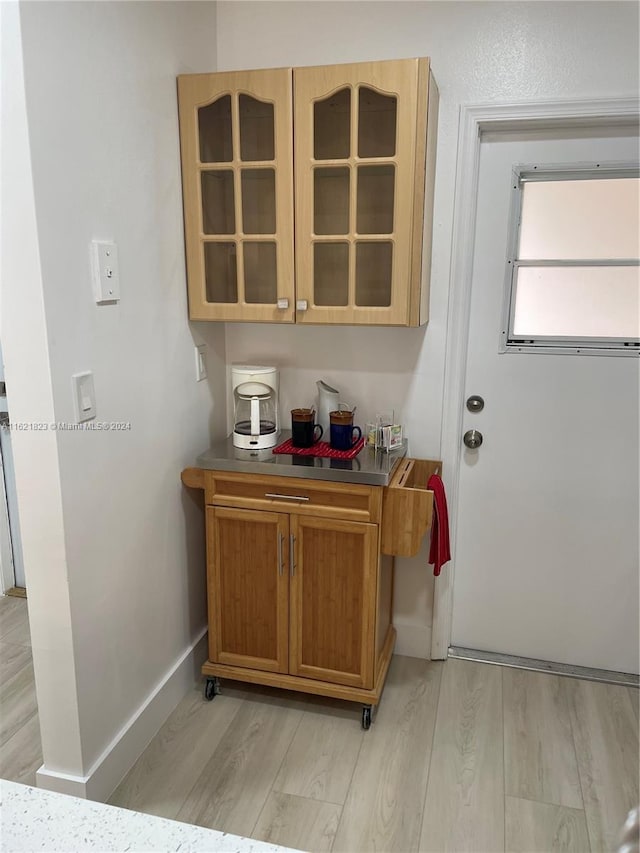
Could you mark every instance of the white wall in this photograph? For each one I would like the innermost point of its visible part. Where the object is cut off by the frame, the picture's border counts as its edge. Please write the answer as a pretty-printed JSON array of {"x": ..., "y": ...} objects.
[
  {"x": 481, "y": 52},
  {"x": 26, "y": 360},
  {"x": 102, "y": 112}
]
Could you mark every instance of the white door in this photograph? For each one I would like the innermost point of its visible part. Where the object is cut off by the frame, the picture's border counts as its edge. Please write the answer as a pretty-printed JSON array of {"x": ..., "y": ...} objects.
[{"x": 547, "y": 533}]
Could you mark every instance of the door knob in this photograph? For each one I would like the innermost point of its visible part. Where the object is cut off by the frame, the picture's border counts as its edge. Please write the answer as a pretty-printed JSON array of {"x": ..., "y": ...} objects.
[{"x": 472, "y": 438}]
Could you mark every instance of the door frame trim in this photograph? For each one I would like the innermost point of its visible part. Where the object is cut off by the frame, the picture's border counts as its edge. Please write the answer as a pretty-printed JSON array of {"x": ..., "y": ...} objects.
[{"x": 476, "y": 120}]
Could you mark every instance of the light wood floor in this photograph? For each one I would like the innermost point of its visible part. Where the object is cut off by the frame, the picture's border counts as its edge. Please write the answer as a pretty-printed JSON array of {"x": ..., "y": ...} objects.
[
  {"x": 460, "y": 757},
  {"x": 20, "y": 753}
]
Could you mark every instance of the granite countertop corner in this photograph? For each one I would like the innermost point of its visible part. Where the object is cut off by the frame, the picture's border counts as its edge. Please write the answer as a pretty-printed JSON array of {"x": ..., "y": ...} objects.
[{"x": 33, "y": 819}]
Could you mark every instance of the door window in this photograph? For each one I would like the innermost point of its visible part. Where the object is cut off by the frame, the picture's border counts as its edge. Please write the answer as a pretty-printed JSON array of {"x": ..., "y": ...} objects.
[{"x": 573, "y": 271}]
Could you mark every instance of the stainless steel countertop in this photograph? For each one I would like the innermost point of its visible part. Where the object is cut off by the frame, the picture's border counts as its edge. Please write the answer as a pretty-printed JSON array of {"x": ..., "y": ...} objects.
[{"x": 370, "y": 467}]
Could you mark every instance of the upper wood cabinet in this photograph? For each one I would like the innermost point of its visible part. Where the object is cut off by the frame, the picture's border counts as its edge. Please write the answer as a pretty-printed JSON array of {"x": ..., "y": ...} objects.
[
  {"x": 360, "y": 152},
  {"x": 362, "y": 137},
  {"x": 237, "y": 180}
]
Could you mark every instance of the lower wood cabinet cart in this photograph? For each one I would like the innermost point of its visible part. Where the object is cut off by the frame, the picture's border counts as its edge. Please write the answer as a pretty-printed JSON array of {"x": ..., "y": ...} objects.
[{"x": 300, "y": 577}]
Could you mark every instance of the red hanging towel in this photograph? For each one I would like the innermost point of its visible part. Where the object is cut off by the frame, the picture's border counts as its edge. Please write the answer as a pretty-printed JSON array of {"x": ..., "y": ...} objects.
[{"x": 439, "y": 553}]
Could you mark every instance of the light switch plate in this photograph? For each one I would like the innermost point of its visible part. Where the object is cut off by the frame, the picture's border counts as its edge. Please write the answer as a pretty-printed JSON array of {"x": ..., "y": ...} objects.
[
  {"x": 201, "y": 364},
  {"x": 105, "y": 272},
  {"x": 84, "y": 397}
]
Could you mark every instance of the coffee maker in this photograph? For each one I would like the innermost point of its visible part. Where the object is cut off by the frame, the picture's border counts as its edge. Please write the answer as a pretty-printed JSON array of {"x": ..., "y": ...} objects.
[{"x": 255, "y": 406}]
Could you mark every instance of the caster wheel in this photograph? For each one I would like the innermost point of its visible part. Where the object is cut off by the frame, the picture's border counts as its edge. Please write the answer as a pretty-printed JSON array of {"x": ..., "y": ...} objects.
[
  {"x": 211, "y": 688},
  {"x": 366, "y": 717}
]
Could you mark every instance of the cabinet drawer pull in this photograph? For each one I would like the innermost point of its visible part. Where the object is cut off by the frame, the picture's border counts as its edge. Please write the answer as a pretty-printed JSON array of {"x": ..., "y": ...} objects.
[
  {"x": 286, "y": 497},
  {"x": 292, "y": 559},
  {"x": 280, "y": 566}
]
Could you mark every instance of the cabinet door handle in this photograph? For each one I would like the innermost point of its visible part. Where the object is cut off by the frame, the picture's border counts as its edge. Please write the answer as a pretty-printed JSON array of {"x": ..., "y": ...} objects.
[
  {"x": 280, "y": 566},
  {"x": 286, "y": 497},
  {"x": 292, "y": 559}
]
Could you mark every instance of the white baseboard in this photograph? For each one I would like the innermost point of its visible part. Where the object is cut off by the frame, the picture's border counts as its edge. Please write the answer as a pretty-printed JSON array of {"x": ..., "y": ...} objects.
[
  {"x": 133, "y": 738},
  {"x": 62, "y": 783},
  {"x": 412, "y": 640}
]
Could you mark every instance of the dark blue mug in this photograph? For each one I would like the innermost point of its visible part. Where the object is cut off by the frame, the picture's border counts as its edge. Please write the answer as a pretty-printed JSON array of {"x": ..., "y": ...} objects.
[{"x": 343, "y": 434}]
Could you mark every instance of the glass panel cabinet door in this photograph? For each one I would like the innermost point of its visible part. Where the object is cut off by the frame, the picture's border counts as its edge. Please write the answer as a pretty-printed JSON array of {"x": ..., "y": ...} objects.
[
  {"x": 237, "y": 175},
  {"x": 360, "y": 154}
]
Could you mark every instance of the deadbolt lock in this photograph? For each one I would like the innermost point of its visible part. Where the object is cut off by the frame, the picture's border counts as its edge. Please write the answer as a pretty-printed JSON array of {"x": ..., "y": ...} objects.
[{"x": 475, "y": 403}]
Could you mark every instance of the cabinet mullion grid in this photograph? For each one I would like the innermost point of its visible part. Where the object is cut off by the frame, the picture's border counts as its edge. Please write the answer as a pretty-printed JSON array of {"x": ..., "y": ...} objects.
[
  {"x": 353, "y": 195},
  {"x": 353, "y": 237},
  {"x": 237, "y": 195}
]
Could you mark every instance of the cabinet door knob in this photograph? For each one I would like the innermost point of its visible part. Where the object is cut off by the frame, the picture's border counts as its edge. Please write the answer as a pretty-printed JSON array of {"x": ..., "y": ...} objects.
[
  {"x": 283, "y": 303},
  {"x": 302, "y": 305}
]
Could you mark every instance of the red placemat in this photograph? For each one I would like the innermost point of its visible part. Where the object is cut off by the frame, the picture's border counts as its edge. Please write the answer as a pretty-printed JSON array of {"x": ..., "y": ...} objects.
[{"x": 320, "y": 448}]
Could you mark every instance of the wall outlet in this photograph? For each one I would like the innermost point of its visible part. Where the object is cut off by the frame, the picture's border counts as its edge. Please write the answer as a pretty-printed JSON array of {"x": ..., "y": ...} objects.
[{"x": 201, "y": 362}]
